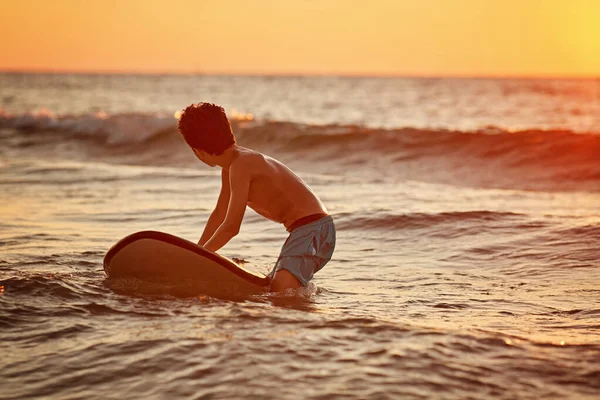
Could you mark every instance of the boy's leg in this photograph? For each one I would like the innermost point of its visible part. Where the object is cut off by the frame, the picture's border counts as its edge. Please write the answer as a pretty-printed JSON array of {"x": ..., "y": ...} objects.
[
  {"x": 283, "y": 280},
  {"x": 307, "y": 250}
]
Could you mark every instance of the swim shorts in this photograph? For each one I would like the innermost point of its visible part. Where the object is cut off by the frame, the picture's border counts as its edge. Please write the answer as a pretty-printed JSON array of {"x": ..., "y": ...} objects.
[{"x": 307, "y": 249}]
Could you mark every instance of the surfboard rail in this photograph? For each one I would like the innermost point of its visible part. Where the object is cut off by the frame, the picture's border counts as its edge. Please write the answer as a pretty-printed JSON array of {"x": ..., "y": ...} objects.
[{"x": 154, "y": 254}]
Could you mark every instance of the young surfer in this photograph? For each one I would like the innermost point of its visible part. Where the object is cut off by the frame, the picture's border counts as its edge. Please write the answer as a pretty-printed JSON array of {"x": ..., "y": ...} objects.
[{"x": 249, "y": 178}]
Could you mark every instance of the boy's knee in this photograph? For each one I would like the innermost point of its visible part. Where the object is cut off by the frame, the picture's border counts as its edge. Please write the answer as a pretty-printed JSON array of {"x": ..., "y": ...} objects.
[{"x": 283, "y": 280}]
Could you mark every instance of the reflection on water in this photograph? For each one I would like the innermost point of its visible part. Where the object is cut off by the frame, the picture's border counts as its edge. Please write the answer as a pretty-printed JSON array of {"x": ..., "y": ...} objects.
[{"x": 466, "y": 264}]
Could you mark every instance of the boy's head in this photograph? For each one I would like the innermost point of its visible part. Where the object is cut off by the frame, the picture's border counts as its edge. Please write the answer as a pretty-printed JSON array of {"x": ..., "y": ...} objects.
[{"x": 205, "y": 128}]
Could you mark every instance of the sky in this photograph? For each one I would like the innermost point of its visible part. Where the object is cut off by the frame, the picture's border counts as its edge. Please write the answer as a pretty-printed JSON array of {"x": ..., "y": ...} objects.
[{"x": 306, "y": 37}]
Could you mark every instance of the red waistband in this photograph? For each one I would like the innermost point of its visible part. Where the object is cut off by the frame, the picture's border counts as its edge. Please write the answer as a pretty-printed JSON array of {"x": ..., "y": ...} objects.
[{"x": 306, "y": 220}]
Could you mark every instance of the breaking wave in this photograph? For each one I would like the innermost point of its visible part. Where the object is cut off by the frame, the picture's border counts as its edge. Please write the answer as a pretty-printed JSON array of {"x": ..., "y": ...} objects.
[{"x": 492, "y": 156}]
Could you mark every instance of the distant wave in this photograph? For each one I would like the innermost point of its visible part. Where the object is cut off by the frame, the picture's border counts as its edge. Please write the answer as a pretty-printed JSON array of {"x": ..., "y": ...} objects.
[
  {"x": 390, "y": 222},
  {"x": 490, "y": 156},
  {"x": 129, "y": 128}
]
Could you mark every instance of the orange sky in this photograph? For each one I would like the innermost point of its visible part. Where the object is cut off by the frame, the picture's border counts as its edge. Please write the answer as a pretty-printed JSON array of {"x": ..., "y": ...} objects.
[{"x": 381, "y": 37}]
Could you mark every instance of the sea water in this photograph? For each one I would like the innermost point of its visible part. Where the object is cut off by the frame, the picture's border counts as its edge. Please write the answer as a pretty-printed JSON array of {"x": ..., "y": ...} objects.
[{"x": 467, "y": 263}]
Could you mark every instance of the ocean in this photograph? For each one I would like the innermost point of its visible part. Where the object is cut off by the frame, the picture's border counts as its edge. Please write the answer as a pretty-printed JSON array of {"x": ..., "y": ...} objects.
[{"x": 467, "y": 263}]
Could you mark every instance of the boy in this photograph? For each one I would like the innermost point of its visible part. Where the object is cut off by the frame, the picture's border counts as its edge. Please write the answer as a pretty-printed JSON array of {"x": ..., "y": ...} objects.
[{"x": 249, "y": 178}]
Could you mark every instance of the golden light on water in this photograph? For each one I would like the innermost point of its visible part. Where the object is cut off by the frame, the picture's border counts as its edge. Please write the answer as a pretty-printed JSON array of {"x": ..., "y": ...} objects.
[
  {"x": 44, "y": 112},
  {"x": 101, "y": 115},
  {"x": 240, "y": 116}
]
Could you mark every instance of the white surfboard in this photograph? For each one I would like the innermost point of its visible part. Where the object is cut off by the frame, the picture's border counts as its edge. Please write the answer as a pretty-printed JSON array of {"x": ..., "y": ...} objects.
[{"x": 160, "y": 257}]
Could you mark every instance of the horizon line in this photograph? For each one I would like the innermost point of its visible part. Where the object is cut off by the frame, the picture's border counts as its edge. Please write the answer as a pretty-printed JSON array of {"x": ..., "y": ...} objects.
[{"x": 43, "y": 71}]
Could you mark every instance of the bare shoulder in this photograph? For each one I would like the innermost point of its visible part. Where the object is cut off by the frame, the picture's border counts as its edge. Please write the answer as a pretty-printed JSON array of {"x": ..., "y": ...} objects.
[{"x": 247, "y": 160}]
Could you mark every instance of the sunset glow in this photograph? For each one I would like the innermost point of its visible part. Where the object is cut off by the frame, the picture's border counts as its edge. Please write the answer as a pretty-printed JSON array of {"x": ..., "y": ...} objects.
[{"x": 381, "y": 37}]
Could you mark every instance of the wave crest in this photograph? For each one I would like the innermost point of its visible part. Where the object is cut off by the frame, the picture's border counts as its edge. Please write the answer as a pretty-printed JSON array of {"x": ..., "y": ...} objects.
[{"x": 490, "y": 157}]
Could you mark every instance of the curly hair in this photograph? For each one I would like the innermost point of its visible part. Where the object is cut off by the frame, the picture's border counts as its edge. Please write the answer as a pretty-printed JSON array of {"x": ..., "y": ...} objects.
[{"x": 205, "y": 127}]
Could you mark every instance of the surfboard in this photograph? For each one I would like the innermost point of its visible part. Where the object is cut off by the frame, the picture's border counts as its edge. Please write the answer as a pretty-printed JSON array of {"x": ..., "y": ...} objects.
[{"x": 160, "y": 257}]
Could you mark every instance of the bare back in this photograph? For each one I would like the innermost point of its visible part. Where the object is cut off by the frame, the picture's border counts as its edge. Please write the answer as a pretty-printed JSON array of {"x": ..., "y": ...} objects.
[{"x": 275, "y": 191}]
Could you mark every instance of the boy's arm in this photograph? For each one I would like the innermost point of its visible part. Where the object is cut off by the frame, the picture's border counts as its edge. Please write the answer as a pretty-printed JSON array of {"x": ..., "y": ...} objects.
[
  {"x": 218, "y": 215},
  {"x": 239, "y": 183}
]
